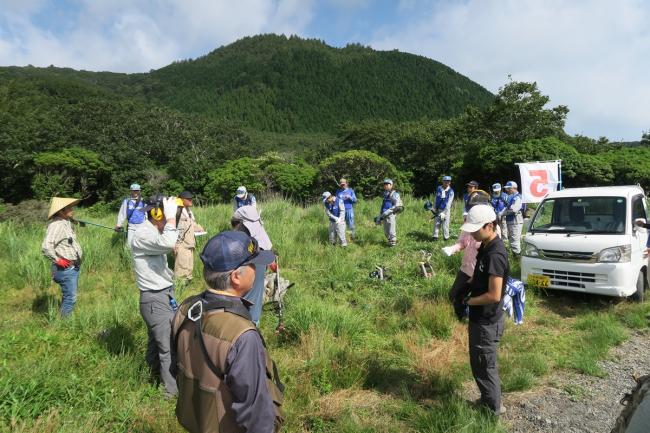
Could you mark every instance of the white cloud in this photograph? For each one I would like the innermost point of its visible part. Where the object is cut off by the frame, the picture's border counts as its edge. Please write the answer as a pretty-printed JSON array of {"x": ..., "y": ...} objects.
[
  {"x": 127, "y": 36},
  {"x": 589, "y": 55}
]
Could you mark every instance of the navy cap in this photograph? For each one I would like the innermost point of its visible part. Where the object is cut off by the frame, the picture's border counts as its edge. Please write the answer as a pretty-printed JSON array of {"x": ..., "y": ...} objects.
[
  {"x": 230, "y": 250},
  {"x": 187, "y": 195},
  {"x": 472, "y": 183}
]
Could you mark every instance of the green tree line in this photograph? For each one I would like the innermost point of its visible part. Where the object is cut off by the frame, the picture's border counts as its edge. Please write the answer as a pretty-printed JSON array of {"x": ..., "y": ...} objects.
[{"x": 65, "y": 132}]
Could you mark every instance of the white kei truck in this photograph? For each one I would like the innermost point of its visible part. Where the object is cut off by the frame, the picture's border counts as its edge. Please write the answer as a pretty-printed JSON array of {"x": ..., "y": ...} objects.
[{"x": 586, "y": 240}]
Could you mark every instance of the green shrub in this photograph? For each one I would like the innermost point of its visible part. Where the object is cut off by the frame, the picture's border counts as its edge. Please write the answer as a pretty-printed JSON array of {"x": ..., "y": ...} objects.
[
  {"x": 364, "y": 170},
  {"x": 293, "y": 180},
  {"x": 223, "y": 181}
]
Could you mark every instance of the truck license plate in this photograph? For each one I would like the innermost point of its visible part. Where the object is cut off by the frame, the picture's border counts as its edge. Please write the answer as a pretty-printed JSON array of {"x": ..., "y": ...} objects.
[{"x": 539, "y": 280}]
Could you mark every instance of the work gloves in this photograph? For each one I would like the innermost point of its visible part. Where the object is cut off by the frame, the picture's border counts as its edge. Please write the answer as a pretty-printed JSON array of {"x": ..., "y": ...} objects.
[
  {"x": 447, "y": 251},
  {"x": 170, "y": 207}
]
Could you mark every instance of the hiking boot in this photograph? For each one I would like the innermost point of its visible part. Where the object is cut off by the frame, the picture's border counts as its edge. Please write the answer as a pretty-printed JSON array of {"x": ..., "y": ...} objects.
[{"x": 478, "y": 404}]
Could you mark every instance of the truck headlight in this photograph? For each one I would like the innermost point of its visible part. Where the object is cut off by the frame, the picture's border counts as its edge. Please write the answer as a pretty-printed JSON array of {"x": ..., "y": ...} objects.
[
  {"x": 618, "y": 254},
  {"x": 530, "y": 250}
]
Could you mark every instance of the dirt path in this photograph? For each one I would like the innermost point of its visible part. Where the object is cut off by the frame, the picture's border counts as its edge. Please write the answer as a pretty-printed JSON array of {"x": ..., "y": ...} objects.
[{"x": 575, "y": 403}]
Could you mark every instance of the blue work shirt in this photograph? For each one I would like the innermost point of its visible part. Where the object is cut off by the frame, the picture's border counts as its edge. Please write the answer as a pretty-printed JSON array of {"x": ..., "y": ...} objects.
[{"x": 348, "y": 197}]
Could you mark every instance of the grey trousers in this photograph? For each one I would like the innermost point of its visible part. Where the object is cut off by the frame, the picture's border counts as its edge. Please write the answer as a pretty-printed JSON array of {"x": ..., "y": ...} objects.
[
  {"x": 483, "y": 345},
  {"x": 337, "y": 230},
  {"x": 514, "y": 237},
  {"x": 390, "y": 229},
  {"x": 158, "y": 314},
  {"x": 445, "y": 224}
]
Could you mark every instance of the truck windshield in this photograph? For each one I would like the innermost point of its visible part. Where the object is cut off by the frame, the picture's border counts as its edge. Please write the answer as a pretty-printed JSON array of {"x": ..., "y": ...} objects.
[{"x": 595, "y": 215}]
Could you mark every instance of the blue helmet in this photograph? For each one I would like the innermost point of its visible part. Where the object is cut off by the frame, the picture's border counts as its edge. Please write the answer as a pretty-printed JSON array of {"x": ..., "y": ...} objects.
[{"x": 446, "y": 178}]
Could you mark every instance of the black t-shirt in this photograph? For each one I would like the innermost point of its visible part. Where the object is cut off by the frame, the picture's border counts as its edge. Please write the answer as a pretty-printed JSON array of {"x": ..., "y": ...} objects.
[{"x": 492, "y": 259}]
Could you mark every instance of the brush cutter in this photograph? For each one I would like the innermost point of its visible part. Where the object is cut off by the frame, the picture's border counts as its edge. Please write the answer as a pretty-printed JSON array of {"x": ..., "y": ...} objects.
[
  {"x": 380, "y": 273},
  {"x": 83, "y": 223}
]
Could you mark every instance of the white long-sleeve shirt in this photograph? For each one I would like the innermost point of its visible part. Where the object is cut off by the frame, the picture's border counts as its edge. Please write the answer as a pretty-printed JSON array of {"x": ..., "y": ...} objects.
[{"x": 149, "y": 249}]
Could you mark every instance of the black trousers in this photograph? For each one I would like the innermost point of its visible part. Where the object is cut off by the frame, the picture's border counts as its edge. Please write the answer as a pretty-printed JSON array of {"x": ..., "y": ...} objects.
[{"x": 483, "y": 345}]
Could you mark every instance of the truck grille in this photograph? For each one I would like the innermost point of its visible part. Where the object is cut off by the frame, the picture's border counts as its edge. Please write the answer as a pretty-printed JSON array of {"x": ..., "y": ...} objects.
[
  {"x": 571, "y": 279},
  {"x": 567, "y": 256}
]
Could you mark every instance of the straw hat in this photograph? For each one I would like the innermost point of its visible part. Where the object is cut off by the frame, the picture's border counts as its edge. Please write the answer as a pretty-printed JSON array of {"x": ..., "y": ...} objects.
[{"x": 58, "y": 203}]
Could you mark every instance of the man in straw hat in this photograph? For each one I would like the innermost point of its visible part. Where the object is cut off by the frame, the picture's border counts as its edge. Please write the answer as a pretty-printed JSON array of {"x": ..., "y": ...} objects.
[{"x": 61, "y": 247}]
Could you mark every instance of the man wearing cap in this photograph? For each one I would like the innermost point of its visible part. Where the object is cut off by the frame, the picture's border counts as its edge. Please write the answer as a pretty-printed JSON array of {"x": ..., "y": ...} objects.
[
  {"x": 346, "y": 194},
  {"x": 150, "y": 243},
  {"x": 184, "y": 249},
  {"x": 514, "y": 216},
  {"x": 391, "y": 205},
  {"x": 471, "y": 186},
  {"x": 243, "y": 198},
  {"x": 485, "y": 302},
  {"x": 247, "y": 220},
  {"x": 131, "y": 210},
  {"x": 444, "y": 199},
  {"x": 60, "y": 246},
  {"x": 226, "y": 380},
  {"x": 335, "y": 211},
  {"x": 499, "y": 201}
]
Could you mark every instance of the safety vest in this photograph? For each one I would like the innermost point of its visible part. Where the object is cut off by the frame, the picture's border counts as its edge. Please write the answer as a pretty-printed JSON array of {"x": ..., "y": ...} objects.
[
  {"x": 247, "y": 201},
  {"x": 499, "y": 202},
  {"x": 204, "y": 400},
  {"x": 334, "y": 207},
  {"x": 516, "y": 216},
  {"x": 441, "y": 203},
  {"x": 134, "y": 211},
  {"x": 387, "y": 203}
]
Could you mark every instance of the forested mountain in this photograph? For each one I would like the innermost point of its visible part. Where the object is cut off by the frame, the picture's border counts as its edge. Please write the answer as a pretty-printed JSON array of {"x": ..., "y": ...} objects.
[
  {"x": 282, "y": 115},
  {"x": 276, "y": 83}
]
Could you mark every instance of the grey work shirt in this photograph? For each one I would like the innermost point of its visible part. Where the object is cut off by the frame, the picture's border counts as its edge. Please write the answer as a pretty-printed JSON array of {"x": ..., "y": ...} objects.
[
  {"x": 149, "y": 249},
  {"x": 246, "y": 377}
]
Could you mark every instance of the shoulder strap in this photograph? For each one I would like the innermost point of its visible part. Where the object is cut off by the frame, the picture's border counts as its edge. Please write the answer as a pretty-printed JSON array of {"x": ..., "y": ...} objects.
[{"x": 230, "y": 306}]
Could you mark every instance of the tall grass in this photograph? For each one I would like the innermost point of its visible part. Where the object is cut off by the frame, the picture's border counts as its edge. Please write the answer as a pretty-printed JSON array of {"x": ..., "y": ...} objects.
[{"x": 358, "y": 354}]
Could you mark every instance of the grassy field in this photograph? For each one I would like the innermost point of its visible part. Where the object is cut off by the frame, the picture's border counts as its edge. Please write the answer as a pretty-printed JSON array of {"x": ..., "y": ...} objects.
[{"x": 359, "y": 355}]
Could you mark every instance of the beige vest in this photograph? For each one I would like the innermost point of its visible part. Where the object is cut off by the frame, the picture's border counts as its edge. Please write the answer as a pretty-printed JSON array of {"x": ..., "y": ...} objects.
[
  {"x": 204, "y": 403},
  {"x": 186, "y": 230}
]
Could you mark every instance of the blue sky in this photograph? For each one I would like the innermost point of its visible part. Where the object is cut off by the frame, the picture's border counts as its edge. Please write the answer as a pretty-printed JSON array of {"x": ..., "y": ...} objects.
[{"x": 591, "y": 55}]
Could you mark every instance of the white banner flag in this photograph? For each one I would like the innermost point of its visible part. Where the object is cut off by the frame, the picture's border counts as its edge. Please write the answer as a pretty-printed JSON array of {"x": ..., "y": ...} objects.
[{"x": 538, "y": 179}]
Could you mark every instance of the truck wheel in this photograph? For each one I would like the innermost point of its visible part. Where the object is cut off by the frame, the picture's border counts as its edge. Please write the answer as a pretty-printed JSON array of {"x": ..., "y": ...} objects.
[{"x": 640, "y": 288}]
